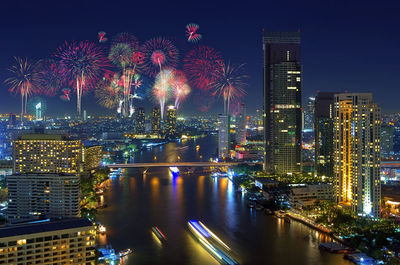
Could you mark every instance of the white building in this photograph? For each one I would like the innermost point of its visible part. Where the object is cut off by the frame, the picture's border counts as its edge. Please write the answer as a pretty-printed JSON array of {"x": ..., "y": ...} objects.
[
  {"x": 357, "y": 124},
  {"x": 308, "y": 194},
  {"x": 223, "y": 135},
  {"x": 32, "y": 196}
]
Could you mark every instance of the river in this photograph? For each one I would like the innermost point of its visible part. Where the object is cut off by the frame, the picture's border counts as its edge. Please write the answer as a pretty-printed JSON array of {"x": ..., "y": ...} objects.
[{"x": 136, "y": 202}]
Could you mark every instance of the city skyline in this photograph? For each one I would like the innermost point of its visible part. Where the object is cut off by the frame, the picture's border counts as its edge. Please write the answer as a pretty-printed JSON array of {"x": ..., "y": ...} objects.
[{"x": 320, "y": 40}]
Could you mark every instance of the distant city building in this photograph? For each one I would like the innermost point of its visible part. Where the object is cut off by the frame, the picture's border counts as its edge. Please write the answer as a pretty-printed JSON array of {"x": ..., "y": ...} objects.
[
  {"x": 308, "y": 194},
  {"x": 223, "y": 136},
  {"x": 140, "y": 118},
  {"x": 93, "y": 156},
  {"x": 308, "y": 114},
  {"x": 387, "y": 137},
  {"x": 170, "y": 128},
  {"x": 47, "y": 153},
  {"x": 12, "y": 119},
  {"x": 33, "y": 196},
  {"x": 156, "y": 121},
  {"x": 241, "y": 123},
  {"x": 70, "y": 241},
  {"x": 324, "y": 148},
  {"x": 357, "y": 153},
  {"x": 282, "y": 102}
]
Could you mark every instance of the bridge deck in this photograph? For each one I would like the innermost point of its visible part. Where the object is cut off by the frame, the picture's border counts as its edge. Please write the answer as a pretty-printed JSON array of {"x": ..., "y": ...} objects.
[{"x": 174, "y": 164}]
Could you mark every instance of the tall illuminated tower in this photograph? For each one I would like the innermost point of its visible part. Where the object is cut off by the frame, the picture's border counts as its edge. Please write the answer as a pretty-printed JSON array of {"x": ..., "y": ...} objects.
[
  {"x": 156, "y": 121},
  {"x": 170, "y": 129},
  {"x": 357, "y": 123},
  {"x": 223, "y": 136},
  {"x": 140, "y": 120},
  {"x": 282, "y": 102}
]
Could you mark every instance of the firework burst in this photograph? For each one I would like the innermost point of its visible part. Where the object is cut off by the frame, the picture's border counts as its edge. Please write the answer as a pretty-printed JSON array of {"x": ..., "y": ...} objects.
[
  {"x": 180, "y": 87},
  {"x": 49, "y": 79},
  {"x": 102, "y": 36},
  {"x": 109, "y": 92},
  {"x": 202, "y": 66},
  {"x": 191, "y": 32},
  {"x": 230, "y": 83},
  {"x": 23, "y": 80},
  {"x": 125, "y": 53},
  {"x": 159, "y": 53},
  {"x": 81, "y": 64},
  {"x": 162, "y": 88},
  {"x": 66, "y": 94}
]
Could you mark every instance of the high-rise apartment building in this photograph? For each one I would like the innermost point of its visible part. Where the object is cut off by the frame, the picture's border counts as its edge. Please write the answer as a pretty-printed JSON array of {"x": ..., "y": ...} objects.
[
  {"x": 387, "y": 135},
  {"x": 357, "y": 123},
  {"x": 156, "y": 121},
  {"x": 170, "y": 128},
  {"x": 46, "y": 153},
  {"x": 92, "y": 157},
  {"x": 282, "y": 102},
  {"x": 324, "y": 151},
  {"x": 140, "y": 118},
  {"x": 68, "y": 241},
  {"x": 223, "y": 136},
  {"x": 241, "y": 122},
  {"x": 34, "y": 196}
]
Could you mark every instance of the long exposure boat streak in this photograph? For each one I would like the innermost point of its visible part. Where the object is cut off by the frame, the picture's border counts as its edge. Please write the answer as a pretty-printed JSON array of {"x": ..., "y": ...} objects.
[{"x": 211, "y": 242}]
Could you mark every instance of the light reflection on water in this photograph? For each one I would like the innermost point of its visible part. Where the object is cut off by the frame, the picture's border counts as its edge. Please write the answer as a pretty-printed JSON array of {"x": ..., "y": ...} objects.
[{"x": 137, "y": 202}]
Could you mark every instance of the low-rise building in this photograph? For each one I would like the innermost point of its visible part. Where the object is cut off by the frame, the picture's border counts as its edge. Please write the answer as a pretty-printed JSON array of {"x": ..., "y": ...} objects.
[
  {"x": 68, "y": 241},
  {"x": 308, "y": 194}
]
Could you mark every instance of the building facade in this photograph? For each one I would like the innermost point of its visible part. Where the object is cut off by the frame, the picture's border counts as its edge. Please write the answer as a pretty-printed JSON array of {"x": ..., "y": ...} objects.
[
  {"x": 282, "y": 102},
  {"x": 140, "y": 118},
  {"x": 241, "y": 123},
  {"x": 324, "y": 151},
  {"x": 308, "y": 194},
  {"x": 34, "y": 196},
  {"x": 387, "y": 137},
  {"x": 223, "y": 136},
  {"x": 70, "y": 241},
  {"x": 47, "y": 153},
  {"x": 156, "y": 121},
  {"x": 170, "y": 125},
  {"x": 357, "y": 123},
  {"x": 92, "y": 157}
]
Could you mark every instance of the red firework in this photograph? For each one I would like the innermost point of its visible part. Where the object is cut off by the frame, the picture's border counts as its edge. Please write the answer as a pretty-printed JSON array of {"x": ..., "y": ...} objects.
[
  {"x": 191, "y": 32},
  {"x": 81, "y": 65},
  {"x": 159, "y": 53},
  {"x": 127, "y": 38},
  {"x": 102, "y": 36},
  {"x": 202, "y": 65},
  {"x": 49, "y": 79}
]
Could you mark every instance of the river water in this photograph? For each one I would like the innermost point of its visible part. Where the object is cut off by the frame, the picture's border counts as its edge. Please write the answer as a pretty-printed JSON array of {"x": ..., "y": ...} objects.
[{"x": 136, "y": 202}]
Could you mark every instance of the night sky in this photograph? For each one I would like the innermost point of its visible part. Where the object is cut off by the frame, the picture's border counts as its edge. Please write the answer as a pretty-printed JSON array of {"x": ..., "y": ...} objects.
[{"x": 346, "y": 45}]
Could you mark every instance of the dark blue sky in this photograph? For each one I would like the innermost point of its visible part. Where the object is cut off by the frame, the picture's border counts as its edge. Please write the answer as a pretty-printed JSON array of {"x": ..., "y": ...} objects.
[{"x": 346, "y": 45}]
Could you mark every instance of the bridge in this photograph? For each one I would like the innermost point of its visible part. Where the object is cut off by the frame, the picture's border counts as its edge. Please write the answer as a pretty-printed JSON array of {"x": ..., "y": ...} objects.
[{"x": 175, "y": 164}]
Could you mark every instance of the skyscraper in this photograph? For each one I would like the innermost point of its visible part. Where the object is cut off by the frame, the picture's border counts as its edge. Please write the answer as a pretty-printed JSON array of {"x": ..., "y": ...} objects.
[
  {"x": 47, "y": 153},
  {"x": 387, "y": 135},
  {"x": 32, "y": 196},
  {"x": 170, "y": 129},
  {"x": 308, "y": 114},
  {"x": 282, "y": 102},
  {"x": 241, "y": 126},
  {"x": 324, "y": 151},
  {"x": 156, "y": 121},
  {"x": 223, "y": 136},
  {"x": 140, "y": 120},
  {"x": 357, "y": 123}
]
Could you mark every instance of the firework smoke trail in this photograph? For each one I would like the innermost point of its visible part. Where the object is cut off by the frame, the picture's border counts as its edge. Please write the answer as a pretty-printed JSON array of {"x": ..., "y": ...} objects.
[
  {"x": 23, "y": 80},
  {"x": 230, "y": 83},
  {"x": 180, "y": 87},
  {"x": 81, "y": 64},
  {"x": 202, "y": 66},
  {"x": 125, "y": 53},
  {"x": 191, "y": 32},
  {"x": 158, "y": 54},
  {"x": 162, "y": 88}
]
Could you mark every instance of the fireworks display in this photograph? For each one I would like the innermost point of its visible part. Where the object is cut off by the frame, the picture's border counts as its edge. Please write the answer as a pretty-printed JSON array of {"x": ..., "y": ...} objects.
[
  {"x": 49, "y": 79},
  {"x": 102, "y": 36},
  {"x": 23, "y": 80},
  {"x": 229, "y": 83},
  {"x": 159, "y": 53},
  {"x": 202, "y": 66},
  {"x": 180, "y": 88},
  {"x": 191, "y": 32},
  {"x": 139, "y": 72},
  {"x": 81, "y": 64},
  {"x": 162, "y": 88}
]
